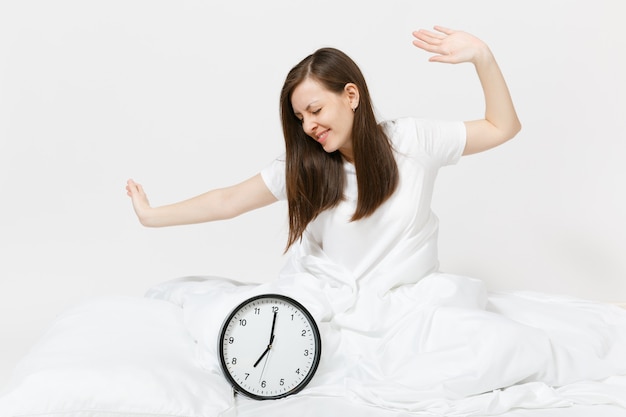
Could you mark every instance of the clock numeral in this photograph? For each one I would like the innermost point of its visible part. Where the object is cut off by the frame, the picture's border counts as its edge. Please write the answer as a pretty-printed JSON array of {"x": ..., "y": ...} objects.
[
  {"x": 257, "y": 310},
  {"x": 263, "y": 384},
  {"x": 298, "y": 371},
  {"x": 247, "y": 375},
  {"x": 282, "y": 382},
  {"x": 303, "y": 332},
  {"x": 306, "y": 352},
  {"x": 274, "y": 309},
  {"x": 243, "y": 322},
  {"x": 231, "y": 340},
  {"x": 234, "y": 361}
]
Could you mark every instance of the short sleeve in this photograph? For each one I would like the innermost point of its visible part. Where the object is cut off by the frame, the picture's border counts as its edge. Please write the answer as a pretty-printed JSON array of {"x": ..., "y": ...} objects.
[
  {"x": 449, "y": 140},
  {"x": 274, "y": 177},
  {"x": 442, "y": 141}
]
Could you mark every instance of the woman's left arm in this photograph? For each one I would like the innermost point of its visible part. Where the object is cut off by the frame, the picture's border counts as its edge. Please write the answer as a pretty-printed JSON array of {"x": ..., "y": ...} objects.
[{"x": 500, "y": 123}]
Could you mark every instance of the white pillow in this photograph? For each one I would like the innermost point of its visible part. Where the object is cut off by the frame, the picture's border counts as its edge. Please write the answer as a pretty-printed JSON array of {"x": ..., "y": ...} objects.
[{"x": 115, "y": 356}]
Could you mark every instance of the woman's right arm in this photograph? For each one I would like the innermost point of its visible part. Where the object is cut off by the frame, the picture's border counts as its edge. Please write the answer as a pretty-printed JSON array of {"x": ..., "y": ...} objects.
[{"x": 218, "y": 204}]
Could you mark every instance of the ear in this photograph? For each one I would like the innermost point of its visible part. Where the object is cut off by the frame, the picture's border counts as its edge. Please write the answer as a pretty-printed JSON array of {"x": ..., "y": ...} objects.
[{"x": 352, "y": 93}]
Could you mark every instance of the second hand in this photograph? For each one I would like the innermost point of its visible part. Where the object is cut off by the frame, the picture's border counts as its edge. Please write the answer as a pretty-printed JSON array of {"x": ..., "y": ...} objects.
[
  {"x": 269, "y": 347},
  {"x": 263, "y": 370}
]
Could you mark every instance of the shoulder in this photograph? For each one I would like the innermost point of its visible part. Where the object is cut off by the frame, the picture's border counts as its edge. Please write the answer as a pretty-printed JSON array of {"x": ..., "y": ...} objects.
[
  {"x": 444, "y": 140},
  {"x": 412, "y": 126}
]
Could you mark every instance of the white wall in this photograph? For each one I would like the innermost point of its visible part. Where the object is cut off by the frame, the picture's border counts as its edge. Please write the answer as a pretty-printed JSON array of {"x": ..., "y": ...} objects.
[{"x": 182, "y": 96}]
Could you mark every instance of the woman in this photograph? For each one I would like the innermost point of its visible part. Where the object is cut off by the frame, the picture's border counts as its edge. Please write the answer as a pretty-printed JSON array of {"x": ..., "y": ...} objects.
[
  {"x": 363, "y": 244},
  {"x": 499, "y": 125}
]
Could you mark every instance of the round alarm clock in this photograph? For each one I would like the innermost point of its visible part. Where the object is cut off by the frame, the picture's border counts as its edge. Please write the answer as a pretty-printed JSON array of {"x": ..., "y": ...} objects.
[{"x": 269, "y": 347}]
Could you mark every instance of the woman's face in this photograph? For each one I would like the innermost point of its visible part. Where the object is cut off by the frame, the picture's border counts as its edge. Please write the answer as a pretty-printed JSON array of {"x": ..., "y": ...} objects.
[{"x": 326, "y": 116}]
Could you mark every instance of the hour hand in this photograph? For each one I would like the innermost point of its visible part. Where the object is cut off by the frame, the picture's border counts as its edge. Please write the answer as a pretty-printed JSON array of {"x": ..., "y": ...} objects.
[
  {"x": 265, "y": 352},
  {"x": 262, "y": 355},
  {"x": 269, "y": 346}
]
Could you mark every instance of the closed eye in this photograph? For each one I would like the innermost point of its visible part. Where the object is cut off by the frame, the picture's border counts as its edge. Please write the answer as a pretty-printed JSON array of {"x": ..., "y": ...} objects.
[{"x": 313, "y": 112}]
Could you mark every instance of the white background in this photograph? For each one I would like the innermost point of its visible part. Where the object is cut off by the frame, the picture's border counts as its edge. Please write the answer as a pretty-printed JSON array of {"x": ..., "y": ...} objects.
[{"x": 183, "y": 97}]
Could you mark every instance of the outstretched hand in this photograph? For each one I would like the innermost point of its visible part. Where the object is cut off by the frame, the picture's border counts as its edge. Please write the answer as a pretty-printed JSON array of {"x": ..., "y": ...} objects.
[
  {"x": 138, "y": 197},
  {"x": 450, "y": 46}
]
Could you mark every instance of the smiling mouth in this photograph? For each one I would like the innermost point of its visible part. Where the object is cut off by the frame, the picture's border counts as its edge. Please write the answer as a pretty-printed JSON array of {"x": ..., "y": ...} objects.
[{"x": 321, "y": 138}]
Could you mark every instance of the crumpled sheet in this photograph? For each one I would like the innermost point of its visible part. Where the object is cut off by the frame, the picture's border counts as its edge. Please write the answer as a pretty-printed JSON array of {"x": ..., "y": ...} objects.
[{"x": 440, "y": 346}]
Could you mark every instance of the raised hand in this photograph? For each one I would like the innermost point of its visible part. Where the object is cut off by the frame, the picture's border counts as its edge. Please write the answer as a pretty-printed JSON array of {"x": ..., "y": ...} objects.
[
  {"x": 451, "y": 46},
  {"x": 500, "y": 122}
]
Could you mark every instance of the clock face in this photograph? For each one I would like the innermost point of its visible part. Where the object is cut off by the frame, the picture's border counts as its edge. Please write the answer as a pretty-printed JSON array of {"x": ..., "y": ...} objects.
[{"x": 269, "y": 347}]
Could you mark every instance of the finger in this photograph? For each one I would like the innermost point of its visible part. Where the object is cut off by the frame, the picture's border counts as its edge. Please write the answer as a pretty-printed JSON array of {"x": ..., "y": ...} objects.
[
  {"x": 443, "y": 58},
  {"x": 426, "y": 42},
  {"x": 430, "y": 33},
  {"x": 435, "y": 49},
  {"x": 445, "y": 30},
  {"x": 133, "y": 184},
  {"x": 132, "y": 188},
  {"x": 439, "y": 58},
  {"x": 428, "y": 37},
  {"x": 425, "y": 46}
]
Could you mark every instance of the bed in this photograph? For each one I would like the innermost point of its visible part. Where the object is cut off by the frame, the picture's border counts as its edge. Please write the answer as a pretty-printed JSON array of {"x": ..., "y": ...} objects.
[{"x": 141, "y": 356}]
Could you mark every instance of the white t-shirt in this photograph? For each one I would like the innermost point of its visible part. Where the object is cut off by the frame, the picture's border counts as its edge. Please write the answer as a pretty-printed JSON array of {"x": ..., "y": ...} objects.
[{"x": 398, "y": 243}]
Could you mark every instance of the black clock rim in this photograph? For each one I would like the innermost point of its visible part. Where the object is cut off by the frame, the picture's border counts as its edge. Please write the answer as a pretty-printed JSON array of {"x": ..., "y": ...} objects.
[{"x": 316, "y": 360}]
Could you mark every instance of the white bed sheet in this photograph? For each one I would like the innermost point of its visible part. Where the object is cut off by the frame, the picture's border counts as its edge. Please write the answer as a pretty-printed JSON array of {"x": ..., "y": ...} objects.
[
  {"x": 452, "y": 348},
  {"x": 134, "y": 356},
  {"x": 316, "y": 407}
]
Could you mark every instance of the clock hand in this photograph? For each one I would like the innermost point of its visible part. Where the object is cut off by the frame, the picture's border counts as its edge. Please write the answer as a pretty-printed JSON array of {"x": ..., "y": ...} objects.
[
  {"x": 265, "y": 352},
  {"x": 273, "y": 325},
  {"x": 262, "y": 355},
  {"x": 264, "y": 365},
  {"x": 269, "y": 346}
]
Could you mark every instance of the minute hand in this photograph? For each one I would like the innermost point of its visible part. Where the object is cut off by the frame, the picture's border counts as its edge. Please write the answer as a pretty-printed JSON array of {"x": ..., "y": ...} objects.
[{"x": 273, "y": 325}]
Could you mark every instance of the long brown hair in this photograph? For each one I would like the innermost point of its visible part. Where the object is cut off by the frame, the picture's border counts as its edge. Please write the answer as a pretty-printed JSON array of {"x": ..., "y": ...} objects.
[{"x": 315, "y": 179}]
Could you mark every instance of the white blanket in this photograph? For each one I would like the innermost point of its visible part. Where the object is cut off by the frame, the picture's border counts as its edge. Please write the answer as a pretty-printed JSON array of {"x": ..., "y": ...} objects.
[
  {"x": 441, "y": 345},
  {"x": 469, "y": 354}
]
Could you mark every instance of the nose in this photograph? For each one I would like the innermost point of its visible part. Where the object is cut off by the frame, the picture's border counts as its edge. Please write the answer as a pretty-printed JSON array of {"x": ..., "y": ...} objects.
[{"x": 309, "y": 125}]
